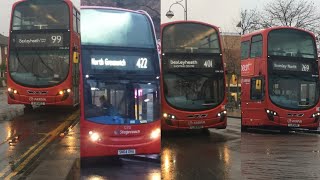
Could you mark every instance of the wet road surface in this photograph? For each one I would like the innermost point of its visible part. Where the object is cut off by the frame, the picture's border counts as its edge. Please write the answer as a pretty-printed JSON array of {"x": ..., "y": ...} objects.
[
  {"x": 58, "y": 161},
  {"x": 119, "y": 169},
  {"x": 19, "y": 136},
  {"x": 200, "y": 155},
  {"x": 280, "y": 156}
]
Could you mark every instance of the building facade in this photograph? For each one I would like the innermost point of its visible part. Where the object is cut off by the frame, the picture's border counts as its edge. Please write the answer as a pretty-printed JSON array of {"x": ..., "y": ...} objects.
[{"x": 3, "y": 54}]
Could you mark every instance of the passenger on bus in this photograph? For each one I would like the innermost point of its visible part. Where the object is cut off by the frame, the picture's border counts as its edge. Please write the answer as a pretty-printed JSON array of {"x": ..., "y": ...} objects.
[{"x": 107, "y": 106}]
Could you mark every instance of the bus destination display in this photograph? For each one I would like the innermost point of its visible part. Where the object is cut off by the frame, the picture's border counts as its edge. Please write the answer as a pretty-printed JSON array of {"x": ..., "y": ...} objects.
[
  {"x": 38, "y": 40},
  {"x": 117, "y": 62},
  {"x": 291, "y": 66}
]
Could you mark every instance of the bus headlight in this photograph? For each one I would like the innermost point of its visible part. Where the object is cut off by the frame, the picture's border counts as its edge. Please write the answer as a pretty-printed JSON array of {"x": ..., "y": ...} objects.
[
  {"x": 165, "y": 115},
  {"x": 169, "y": 116},
  {"x": 155, "y": 133},
  {"x": 271, "y": 114},
  {"x": 11, "y": 92},
  {"x": 222, "y": 114},
  {"x": 64, "y": 93},
  {"x": 316, "y": 116},
  {"x": 94, "y": 136}
]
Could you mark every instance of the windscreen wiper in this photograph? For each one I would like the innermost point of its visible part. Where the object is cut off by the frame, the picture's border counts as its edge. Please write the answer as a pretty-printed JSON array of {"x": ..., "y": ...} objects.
[
  {"x": 19, "y": 61},
  {"x": 44, "y": 62}
]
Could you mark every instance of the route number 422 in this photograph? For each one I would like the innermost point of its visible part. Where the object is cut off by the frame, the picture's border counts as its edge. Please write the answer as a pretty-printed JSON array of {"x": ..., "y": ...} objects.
[{"x": 142, "y": 63}]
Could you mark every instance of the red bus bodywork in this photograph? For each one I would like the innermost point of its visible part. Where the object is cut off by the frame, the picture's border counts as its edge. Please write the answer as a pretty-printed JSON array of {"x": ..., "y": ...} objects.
[
  {"x": 66, "y": 92},
  {"x": 189, "y": 119},
  {"x": 263, "y": 112},
  {"x": 142, "y": 138}
]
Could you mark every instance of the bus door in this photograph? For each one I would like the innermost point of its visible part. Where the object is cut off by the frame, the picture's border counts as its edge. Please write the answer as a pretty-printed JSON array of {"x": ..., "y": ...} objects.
[{"x": 255, "y": 102}]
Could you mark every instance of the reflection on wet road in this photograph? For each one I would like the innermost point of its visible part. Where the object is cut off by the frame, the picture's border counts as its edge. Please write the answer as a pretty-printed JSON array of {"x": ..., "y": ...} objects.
[
  {"x": 197, "y": 155},
  {"x": 280, "y": 156},
  {"x": 118, "y": 169},
  {"x": 19, "y": 135}
]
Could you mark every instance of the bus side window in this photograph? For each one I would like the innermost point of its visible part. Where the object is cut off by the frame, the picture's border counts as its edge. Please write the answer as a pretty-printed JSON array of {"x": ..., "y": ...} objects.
[
  {"x": 257, "y": 88},
  {"x": 245, "y": 48},
  {"x": 256, "y": 46}
]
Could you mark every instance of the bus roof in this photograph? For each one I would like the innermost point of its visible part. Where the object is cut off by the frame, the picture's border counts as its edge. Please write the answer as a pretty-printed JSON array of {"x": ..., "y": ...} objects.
[
  {"x": 115, "y": 8},
  {"x": 196, "y": 22},
  {"x": 266, "y": 31}
]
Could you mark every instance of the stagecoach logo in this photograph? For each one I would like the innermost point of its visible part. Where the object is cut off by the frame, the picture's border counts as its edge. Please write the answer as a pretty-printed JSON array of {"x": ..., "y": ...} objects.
[
  {"x": 126, "y": 132},
  {"x": 37, "y": 99},
  {"x": 108, "y": 62}
]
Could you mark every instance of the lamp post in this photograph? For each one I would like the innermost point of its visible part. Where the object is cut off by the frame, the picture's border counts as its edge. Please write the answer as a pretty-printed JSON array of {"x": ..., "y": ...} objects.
[{"x": 170, "y": 13}]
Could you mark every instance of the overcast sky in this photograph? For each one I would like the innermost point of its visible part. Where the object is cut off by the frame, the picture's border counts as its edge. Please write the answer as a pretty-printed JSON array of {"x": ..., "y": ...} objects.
[
  {"x": 253, "y": 4},
  {"x": 5, "y": 13},
  {"x": 222, "y": 13}
]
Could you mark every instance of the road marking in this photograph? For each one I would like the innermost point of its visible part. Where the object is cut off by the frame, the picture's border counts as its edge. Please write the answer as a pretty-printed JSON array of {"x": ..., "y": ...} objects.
[
  {"x": 3, "y": 172},
  {"x": 37, "y": 148}
]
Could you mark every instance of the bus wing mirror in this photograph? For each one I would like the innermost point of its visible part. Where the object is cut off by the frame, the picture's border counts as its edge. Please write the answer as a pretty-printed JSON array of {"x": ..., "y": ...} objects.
[{"x": 75, "y": 57}]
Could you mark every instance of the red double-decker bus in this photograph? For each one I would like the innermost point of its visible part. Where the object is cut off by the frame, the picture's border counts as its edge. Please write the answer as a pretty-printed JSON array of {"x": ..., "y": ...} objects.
[
  {"x": 120, "y": 98},
  {"x": 193, "y": 76},
  {"x": 43, "y": 63},
  {"x": 280, "y": 79}
]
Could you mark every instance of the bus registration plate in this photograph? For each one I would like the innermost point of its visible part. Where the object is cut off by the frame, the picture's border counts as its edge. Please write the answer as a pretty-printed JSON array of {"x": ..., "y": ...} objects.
[
  {"x": 38, "y": 103},
  {"x": 293, "y": 125},
  {"x": 196, "y": 127},
  {"x": 126, "y": 151}
]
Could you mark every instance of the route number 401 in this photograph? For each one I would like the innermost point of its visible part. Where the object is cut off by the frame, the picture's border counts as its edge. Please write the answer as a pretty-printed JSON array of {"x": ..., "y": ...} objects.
[
  {"x": 208, "y": 63},
  {"x": 142, "y": 63}
]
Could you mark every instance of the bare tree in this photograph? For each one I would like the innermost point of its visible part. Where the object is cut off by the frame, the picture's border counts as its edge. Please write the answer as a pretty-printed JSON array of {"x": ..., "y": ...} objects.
[
  {"x": 295, "y": 13},
  {"x": 249, "y": 21}
]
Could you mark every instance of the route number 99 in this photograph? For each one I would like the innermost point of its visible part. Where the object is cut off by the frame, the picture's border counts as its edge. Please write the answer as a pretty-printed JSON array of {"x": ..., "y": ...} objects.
[{"x": 56, "y": 39}]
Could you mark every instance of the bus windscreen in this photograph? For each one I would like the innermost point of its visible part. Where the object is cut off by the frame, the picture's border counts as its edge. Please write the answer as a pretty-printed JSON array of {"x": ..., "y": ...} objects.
[
  {"x": 133, "y": 29},
  {"x": 190, "y": 37},
  {"x": 29, "y": 15},
  {"x": 291, "y": 43}
]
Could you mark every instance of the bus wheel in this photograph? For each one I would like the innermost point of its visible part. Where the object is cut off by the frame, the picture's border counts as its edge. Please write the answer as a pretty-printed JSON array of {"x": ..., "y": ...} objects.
[{"x": 27, "y": 108}]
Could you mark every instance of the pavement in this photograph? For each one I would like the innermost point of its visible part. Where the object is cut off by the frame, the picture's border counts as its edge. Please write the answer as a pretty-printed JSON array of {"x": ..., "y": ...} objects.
[
  {"x": 235, "y": 113},
  {"x": 8, "y": 112}
]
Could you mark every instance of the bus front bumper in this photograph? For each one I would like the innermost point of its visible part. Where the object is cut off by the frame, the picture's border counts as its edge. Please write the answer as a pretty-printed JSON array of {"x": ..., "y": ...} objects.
[{"x": 218, "y": 122}]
